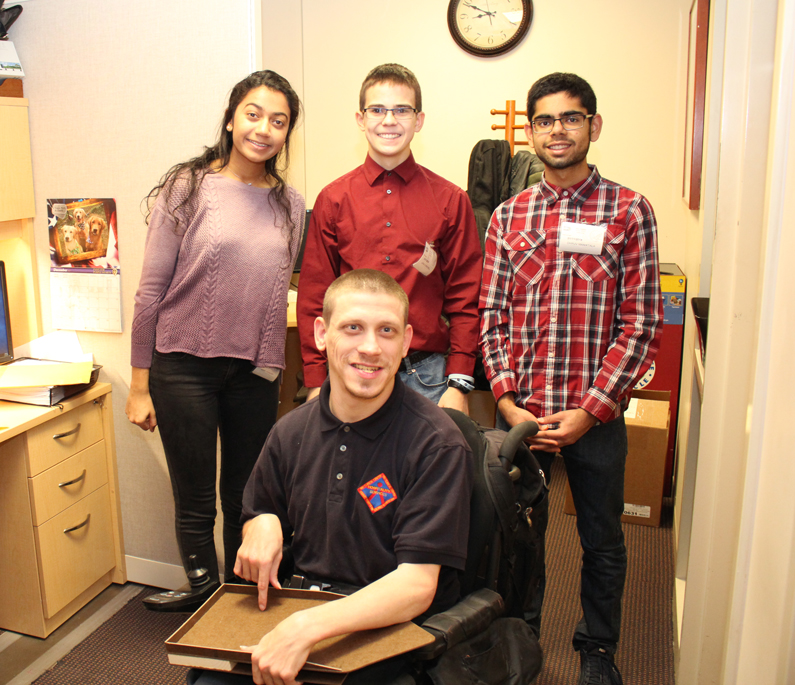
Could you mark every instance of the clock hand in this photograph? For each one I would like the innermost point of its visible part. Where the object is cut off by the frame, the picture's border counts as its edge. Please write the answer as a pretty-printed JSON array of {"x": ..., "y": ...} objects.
[
  {"x": 491, "y": 23},
  {"x": 486, "y": 13}
]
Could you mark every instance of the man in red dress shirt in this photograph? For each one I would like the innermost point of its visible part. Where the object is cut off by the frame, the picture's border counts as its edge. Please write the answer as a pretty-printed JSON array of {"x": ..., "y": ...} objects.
[{"x": 396, "y": 216}]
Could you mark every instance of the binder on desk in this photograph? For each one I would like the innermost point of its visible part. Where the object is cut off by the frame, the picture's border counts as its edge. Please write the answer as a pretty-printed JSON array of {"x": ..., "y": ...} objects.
[{"x": 46, "y": 395}]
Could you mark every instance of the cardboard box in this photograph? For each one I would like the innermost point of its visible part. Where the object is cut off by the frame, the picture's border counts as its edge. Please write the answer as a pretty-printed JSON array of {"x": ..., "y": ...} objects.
[{"x": 647, "y": 419}]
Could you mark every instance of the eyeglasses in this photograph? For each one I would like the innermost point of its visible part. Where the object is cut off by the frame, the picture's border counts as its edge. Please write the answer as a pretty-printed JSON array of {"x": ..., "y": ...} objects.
[
  {"x": 570, "y": 122},
  {"x": 378, "y": 113}
]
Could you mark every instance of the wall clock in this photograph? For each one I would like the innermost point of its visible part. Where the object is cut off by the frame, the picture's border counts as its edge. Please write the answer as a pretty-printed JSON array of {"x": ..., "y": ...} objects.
[{"x": 489, "y": 27}]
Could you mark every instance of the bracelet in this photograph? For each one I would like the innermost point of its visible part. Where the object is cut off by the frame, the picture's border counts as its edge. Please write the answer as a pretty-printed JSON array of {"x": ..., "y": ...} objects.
[{"x": 461, "y": 382}]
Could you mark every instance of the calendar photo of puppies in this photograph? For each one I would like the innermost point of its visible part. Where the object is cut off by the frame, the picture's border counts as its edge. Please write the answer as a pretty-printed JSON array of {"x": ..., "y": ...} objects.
[{"x": 82, "y": 231}]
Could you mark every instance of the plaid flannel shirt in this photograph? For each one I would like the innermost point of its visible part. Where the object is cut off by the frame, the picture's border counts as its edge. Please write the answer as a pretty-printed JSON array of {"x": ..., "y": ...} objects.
[{"x": 564, "y": 330}]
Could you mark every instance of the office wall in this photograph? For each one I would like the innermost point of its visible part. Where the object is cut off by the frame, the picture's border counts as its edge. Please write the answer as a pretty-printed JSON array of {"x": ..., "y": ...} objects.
[
  {"x": 119, "y": 92},
  {"x": 634, "y": 54}
]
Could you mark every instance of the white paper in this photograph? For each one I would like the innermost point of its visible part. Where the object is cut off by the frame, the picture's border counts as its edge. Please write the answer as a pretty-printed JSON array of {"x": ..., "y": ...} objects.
[
  {"x": 60, "y": 346},
  {"x": 641, "y": 511},
  {"x": 632, "y": 409},
  {"x": 427, "y": 263},
  {"x": 9, "y": 61},
  {"x": 581, "y": 238}
]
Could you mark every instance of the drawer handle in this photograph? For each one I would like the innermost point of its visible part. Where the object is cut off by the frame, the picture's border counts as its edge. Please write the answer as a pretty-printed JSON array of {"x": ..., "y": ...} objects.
[
  {"x": 79, "y": 525},
  {"x": 74, "y": 430},
  {"x": 72, "y": 482}
]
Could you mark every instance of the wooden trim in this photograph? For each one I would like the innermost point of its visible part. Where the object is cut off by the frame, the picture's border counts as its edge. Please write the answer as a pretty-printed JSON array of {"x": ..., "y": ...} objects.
[
  {"x": 14, "y": 102},
  {"x": 692, "y": 191}
]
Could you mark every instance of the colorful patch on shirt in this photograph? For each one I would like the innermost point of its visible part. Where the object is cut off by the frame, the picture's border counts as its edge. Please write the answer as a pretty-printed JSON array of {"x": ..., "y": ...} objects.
[{"x": 377, "y": 493}]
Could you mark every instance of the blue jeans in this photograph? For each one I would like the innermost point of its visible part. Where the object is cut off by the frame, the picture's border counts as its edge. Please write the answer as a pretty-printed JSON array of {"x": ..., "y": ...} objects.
[
  {"x": 195, "y": 399},
  {"x": 595, "y": 469},
  {"x": 427, "y": 377}
]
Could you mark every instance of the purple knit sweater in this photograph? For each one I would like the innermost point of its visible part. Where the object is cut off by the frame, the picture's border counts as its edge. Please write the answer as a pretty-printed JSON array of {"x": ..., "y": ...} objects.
[{"x": 218, "y": 286}]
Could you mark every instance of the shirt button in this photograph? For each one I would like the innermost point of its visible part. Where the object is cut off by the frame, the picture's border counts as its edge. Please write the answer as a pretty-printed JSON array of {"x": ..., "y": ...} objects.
[
  {"x": 347, "y": 429},
  {"x": 343, "y": 448},
  {"x": 339, "y": 476},
  {"x": 388, "y": 192},
  {"x": 387, "y": 258},
  {"x": 522, "y": 244},
  {"x": 565, "y": 193},
  {"x": 554, "y": 319},
  {"x": 549, "y": 386},
  {"x": 388, "y": 224}
]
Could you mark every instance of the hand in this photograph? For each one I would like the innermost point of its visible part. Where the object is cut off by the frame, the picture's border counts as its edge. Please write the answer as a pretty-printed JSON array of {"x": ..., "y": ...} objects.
[
  {"x": 512, "y": 413},
  {"x": 515, "y": 415},
  {"x": 140, "y": 410},
  {"x": 453, "y": 398},
  {"x": 260, "y": 554},
  {"x": 561, "y": 429},
  {"x": 312, "y": 394},
  {"x": 281, "y": 653}
]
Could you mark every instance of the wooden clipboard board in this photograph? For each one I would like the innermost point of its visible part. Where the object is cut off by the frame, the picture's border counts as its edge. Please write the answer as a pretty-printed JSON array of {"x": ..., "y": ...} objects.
[{"x": 212, "y": 637}]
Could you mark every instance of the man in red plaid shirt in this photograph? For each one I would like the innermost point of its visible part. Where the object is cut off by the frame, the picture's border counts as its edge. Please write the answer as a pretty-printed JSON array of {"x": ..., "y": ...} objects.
[{"x": 571, "y": 319}]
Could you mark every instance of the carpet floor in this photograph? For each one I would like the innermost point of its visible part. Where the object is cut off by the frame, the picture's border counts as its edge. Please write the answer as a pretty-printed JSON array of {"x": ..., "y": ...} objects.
[{"x": 128, "y": 649}]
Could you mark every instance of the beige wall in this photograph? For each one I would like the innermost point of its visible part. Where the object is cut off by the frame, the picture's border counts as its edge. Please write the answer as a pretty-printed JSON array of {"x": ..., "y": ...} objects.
[
  {"x": 632, "y": 53},
  {"x": 118, "y": 93},
  {"x": 110, "y": 114},
  {"x": 739, "y": 605}
]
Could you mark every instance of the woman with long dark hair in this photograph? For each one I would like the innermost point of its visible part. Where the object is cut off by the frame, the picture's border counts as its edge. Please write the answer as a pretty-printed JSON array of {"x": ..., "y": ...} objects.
[{"x": 210, "y": 319}]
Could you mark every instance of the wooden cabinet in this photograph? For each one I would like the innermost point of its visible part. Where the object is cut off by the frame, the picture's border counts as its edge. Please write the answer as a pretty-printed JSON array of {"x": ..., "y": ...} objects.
[
  {"x": 16, "y": 171},
  {"x": 60, "y": 526},
  {"x": 17, "y": 245}
]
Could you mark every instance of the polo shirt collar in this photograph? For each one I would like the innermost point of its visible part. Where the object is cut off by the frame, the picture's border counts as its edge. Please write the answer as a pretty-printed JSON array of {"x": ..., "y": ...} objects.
[
  {"x": 373, "y": 170},
  {"x": 578, "y": 193},
  {"x": 370, "y": 427}
]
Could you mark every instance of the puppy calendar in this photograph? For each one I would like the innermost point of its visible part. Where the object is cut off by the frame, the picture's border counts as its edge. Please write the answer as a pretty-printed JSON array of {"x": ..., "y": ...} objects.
[{"x": 85, "y": 275}]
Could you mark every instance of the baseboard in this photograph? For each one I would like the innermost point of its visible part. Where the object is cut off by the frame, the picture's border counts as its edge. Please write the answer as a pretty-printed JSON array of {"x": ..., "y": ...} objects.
[{"x": 155, "y": 573}]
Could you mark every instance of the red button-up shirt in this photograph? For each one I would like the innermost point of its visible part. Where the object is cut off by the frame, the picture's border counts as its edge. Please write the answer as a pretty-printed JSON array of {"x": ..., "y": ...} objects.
[
  {"x": 378, "y": 219},
  {"x": 564, "y": 330}
]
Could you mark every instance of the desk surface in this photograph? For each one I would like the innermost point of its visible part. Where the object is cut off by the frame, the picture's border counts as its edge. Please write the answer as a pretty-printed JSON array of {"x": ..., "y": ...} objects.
[{"x": 16, "y": 418}]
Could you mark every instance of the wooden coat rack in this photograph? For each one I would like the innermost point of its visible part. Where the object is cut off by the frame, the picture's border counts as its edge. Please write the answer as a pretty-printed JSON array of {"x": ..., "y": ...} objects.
[{"x": 510, "y": 126}]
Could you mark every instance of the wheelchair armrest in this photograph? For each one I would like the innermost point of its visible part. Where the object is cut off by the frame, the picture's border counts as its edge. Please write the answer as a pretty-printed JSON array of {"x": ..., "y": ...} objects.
[{"x": 470, "y": 617}]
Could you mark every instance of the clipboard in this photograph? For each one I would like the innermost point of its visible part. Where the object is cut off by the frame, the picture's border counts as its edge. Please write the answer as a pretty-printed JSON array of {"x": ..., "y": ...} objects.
[{"x": 211, "y": 638}]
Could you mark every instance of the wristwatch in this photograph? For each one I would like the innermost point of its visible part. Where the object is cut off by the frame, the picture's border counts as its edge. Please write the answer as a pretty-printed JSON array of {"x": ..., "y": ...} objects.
[{"x": 461, "y": 382}]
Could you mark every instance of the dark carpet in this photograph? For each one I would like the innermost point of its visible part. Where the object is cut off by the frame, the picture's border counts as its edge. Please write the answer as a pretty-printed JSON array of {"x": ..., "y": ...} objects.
[
  {"x": 128, "y": 649},
  {"x": 645, "y": 652}
]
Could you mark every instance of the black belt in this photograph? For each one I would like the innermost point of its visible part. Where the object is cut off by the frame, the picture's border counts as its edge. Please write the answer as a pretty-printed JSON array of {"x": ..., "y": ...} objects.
[{"x": 414, "y": 358}]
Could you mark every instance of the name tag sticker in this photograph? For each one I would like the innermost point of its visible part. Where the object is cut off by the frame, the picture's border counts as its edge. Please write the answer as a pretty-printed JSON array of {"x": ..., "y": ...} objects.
[
  {"x": 427, "y": 263},
  {"x": 581, "y": 238}
]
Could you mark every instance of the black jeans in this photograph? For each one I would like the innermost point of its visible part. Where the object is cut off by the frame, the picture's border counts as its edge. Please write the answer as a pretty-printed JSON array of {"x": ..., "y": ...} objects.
[
  {"x": 595, "y": 469},
  {"x": 195, "y": 399}
]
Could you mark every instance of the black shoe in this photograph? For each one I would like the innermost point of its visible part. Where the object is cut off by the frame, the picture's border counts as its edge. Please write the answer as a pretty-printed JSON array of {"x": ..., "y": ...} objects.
[
  {"x": 187, "y": 598},
  {"x": 598, "y": 668},
  {"x": 7, "y": 17}
]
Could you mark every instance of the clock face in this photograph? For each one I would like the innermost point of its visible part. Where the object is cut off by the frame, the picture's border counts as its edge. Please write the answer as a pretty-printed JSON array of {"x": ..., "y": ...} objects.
[{"x": 489, "y": 27}]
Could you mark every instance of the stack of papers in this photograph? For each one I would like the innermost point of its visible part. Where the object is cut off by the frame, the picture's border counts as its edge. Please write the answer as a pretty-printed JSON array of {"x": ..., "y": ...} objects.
[
  {"x": 43, "y": 382},
  {"x": 48, "y": 370}
]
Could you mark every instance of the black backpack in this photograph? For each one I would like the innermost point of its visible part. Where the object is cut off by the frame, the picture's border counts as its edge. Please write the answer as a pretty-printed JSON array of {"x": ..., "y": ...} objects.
[{"x": 509, "y": 513}]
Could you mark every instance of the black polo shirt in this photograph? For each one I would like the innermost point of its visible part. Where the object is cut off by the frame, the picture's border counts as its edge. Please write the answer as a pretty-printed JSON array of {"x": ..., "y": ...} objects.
[{"x": 361, "y": 498}]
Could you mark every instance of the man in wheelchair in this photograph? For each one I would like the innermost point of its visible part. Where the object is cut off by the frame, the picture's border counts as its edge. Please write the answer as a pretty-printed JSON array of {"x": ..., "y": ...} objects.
[{"x": 372, "y": 482}]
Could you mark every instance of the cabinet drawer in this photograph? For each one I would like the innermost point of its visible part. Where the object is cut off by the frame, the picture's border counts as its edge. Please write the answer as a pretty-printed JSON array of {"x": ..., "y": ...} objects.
[
  {"x": 61, "y": 486},
  {"x": 72, "y": 560},
  {"x": 63, "y": 436}
]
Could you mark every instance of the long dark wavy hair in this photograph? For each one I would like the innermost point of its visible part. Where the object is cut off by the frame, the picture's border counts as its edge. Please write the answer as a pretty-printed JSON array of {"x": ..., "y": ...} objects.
[{"x": 215, "y": 158}]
